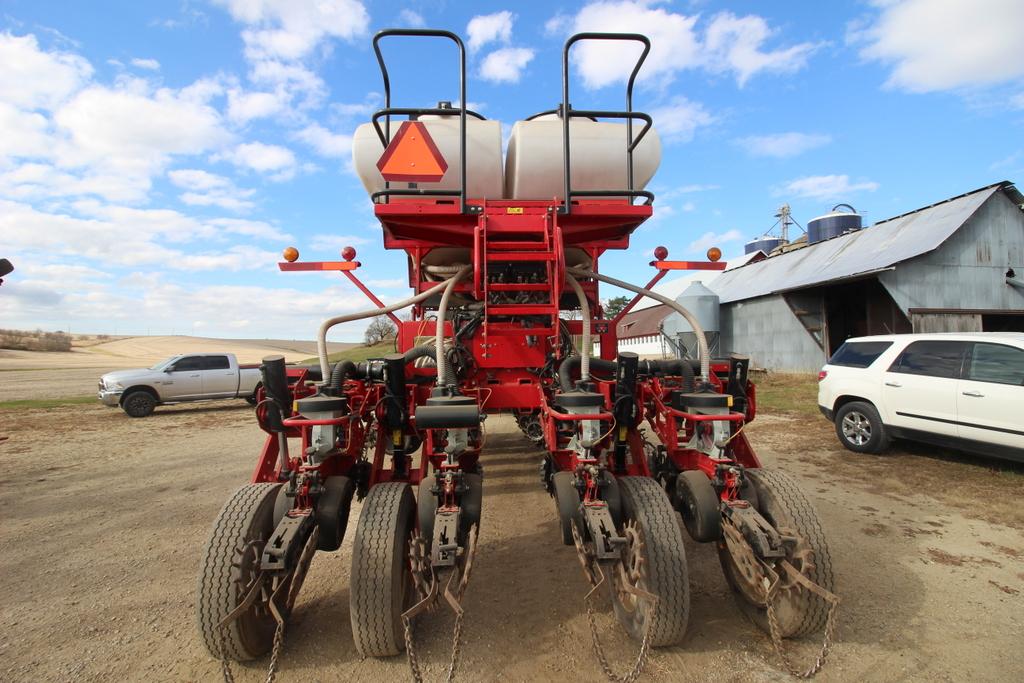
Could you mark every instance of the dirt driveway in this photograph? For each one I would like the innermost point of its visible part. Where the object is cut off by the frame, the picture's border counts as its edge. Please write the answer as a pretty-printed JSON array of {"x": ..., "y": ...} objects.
[{"x": 102, "y": 519}]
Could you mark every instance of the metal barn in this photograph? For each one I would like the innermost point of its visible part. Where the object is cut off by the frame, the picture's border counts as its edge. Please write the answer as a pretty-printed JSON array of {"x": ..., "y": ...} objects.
[{"x": 954, "y": 266}]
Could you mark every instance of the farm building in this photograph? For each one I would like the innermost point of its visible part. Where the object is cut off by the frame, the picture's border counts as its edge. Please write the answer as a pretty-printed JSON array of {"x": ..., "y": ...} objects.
[
  {"x": 954, "y": 266},
  {"x": 650, "y": 329}
]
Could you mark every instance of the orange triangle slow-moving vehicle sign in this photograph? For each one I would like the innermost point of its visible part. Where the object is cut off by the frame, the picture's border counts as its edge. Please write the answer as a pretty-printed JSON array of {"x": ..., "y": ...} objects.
[{"x": 412, "y": 156}]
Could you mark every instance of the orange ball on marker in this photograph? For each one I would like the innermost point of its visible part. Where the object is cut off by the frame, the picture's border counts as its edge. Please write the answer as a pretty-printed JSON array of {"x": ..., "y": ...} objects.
[
  {"x": 714, "y": 253},
  {"x": 291, "y": 254}
]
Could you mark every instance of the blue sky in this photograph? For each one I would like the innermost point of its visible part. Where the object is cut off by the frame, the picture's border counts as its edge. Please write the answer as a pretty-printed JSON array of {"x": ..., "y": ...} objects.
[{"x": 157, "y": 156}]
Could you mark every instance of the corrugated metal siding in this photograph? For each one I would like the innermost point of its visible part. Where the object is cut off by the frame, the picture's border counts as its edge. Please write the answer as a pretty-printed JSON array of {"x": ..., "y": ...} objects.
[
  {"x": 969, "y": 270},
  {"x": 766, "y": 330},
  {"x": 879, "y": 246}
]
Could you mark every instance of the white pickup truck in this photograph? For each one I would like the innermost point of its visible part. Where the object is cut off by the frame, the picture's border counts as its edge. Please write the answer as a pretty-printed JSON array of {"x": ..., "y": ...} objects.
[{"x": 179, "y": 379}]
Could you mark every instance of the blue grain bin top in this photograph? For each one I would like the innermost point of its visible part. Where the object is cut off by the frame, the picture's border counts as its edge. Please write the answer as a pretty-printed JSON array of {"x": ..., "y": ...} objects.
[
  {"x": 765, "y": 244},
  {"x": 833, "y": 224}
]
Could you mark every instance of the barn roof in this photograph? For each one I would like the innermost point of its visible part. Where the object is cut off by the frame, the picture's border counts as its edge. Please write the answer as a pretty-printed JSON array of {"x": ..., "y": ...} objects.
[
  {"x": 860, "y": 253},
  {"x": 642, "y": 323}
]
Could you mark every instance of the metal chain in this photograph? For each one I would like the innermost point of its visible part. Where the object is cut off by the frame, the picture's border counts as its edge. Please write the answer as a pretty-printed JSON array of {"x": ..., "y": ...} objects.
[
  {"x": 641, "y": 657},
  {"x": 298, "y": 577},
  {"x": 596, "y": 577},
  {"x": 462, "y": 578},
  {"x": 776, "y": 631}
]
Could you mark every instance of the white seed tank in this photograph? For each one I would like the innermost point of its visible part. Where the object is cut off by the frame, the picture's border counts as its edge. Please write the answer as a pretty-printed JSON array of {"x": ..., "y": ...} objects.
[
  {"x": 483, "y": 156},
  {"x": 534, "y": 166}
]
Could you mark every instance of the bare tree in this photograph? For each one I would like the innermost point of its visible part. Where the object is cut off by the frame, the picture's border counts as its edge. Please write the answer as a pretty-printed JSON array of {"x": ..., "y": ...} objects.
[{"x": 378, "y": 330}]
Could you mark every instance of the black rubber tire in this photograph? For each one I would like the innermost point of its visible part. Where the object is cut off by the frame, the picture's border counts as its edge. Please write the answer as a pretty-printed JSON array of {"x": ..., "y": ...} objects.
[
  {"x": 332, "y": 512},
  {"x": 139, "y": 403},
  {"x": 869, "y": 419},
  {"x": 613, "y": 497},
  {"x": 381, "y": 585},
  {"x": 251, "y": 398},
  {"x": 226, "y": 569},
  {"x": 471, "y": 502},
  {"x": 426, "y": 506},
  {"x": 781, "y": 502},
  {"x": 699, "y": 505},
  {"x": 567, "y": 500},
  {"x": 666, "y": 575}
]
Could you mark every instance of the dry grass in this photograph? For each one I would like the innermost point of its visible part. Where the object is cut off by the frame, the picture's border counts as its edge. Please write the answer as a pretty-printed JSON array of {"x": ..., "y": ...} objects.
[{"x": 787, "y": 393}]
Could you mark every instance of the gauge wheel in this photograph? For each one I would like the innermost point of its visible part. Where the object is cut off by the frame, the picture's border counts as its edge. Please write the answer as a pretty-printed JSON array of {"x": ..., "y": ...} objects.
[
  {"x": 784, "y": 506},
  {"x": 382, "y": 586},
  {"x": 230, "y": 565},
  {"x": 655, "y": 561}
]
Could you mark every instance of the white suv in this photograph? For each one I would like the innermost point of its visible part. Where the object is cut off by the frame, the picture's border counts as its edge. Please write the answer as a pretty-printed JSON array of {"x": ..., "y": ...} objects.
[{"x": 961, "y": 390}]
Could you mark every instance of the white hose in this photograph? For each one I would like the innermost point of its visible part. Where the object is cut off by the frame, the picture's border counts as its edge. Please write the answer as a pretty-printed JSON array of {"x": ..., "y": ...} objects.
[
  {"x": 321, "y": 340},
  {"x": 442, "y": 313},
  {"x": 585, "y": 311},
  {"x": 702, "y": 342}
]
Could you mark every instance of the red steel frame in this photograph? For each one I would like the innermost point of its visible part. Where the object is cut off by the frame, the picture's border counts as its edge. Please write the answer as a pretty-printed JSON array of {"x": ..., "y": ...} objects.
[{"x": 506, "y": 353}]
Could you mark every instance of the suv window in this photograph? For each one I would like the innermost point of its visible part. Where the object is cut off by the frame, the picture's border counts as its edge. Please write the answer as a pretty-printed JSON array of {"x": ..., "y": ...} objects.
[
  {"x": 858, "y": 354},
  {"x": 217, "y": 363},
  {"x": 997, "y": 363},
  {"x": 934, "y": 358},
  {"x": 189, "y": 363}
]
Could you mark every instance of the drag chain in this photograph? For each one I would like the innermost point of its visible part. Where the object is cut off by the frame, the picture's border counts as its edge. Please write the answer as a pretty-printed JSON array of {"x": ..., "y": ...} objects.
[
  {"x": 632, "y": 564},
  {"x": 748, "y": 561},
  {"x": 276, "y": 585},
  {"x": 773, "y": 624},
  {"x": 427, "y": 583}
]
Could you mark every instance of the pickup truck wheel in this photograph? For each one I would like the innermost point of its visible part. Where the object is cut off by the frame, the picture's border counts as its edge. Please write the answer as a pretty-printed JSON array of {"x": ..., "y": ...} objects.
[
  {"x": 138, "y": 403},
  {"x": 860, "y": 429},
  {"x": 251, "y": 398}
]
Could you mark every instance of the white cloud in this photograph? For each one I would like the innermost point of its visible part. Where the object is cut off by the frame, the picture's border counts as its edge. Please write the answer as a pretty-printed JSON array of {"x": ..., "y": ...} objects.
[
  {"x": 505, "y": 65},
  {"x": 782, "y": 145},
  {"x": 729, "y": 44},
  {"x": 148, "y": 64},
  {"x": 34, "y": 79},
  {"x": 411, "y": 18},
  {"x": 25, "y": 133},
  {"x": 712, "y": 239},
  {"x": 487, "y": 28},
  {"x": 330, "y": 242},
  {"x": 557, "y": 24},
  {"x": 371, "y": 103},
  {"x": 247, "y": 106},
  {"x": 674, "y": 43},
  {"x": 209, "y": 189},
  {"x": 198, "y": 179},
  {"x": 735, "y": 44},
  {"x": 263, "y": 158},
  {"x": 697, "y": 187},
  {"x": 326, "y": 143},
  {"x": 825, "y": 187},
  {"x": 288, "y": 30},
  {"x": 946, "y": 44},
  {"x": 678, "y": 120},
  {"x": 134, "y": 132}
]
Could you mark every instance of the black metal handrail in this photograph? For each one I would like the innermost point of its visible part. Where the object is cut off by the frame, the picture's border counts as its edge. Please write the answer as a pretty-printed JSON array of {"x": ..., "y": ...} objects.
[
  {"x": 567, "y": 113},
  {"x": 388, "y": 111}
]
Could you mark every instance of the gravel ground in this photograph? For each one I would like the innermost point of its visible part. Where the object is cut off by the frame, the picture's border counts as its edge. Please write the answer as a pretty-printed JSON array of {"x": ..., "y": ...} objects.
[{"x": 104, "y": 518}]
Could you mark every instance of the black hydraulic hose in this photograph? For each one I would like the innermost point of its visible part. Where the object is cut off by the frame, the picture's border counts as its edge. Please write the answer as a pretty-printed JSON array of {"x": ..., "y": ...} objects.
[
  {"x": 346, "y": 369},
  {"x": 572, "y": 364},
  {"x": 343, "y": 369},
  {"x": 676, "y": 366}
]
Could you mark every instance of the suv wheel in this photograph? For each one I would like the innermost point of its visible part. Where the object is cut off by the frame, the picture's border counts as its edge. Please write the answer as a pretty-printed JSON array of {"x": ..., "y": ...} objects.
[{"x": 860, "y": 429}]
